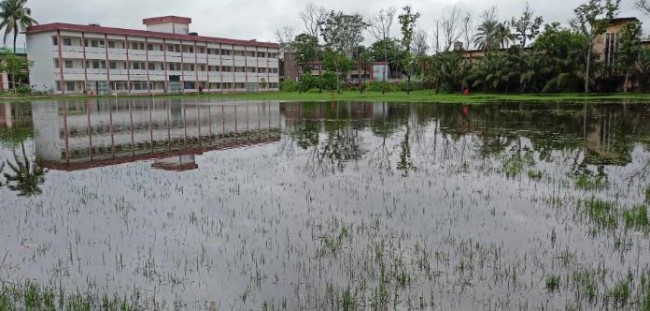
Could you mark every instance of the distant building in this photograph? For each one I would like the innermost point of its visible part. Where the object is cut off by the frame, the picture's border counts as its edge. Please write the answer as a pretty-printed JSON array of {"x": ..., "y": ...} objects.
[
  {"x": 355, "y": 75},
  {"x": 166, "y": 57}
]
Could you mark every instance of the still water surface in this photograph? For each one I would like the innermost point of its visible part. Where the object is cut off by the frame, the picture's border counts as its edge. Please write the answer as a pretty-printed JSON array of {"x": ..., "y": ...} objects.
[{"x": 324, "y": 206}]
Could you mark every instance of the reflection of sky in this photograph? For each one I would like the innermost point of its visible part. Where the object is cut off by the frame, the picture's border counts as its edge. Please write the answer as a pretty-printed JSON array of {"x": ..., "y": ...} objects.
[{"x": 262, "y": 206}]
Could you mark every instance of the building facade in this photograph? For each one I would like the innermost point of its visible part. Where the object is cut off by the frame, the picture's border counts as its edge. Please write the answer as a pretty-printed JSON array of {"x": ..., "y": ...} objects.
[{"x": 166, "y": 57}]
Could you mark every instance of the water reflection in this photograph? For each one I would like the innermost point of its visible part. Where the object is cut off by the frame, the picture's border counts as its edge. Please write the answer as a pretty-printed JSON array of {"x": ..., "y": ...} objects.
[
  {"x": 380, "y": 203},
  {"x": 81, "y": 135}
]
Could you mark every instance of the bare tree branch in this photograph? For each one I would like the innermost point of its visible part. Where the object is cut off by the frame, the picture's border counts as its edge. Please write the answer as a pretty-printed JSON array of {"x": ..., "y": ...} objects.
[
  {"x": 285, "y": 37},
  {"x": 312, "y": 18},
  {"x": 451, "y": 28},
  {"x": 468, "y": 29},
  {"x": 420, "y": 45},
  {"x": 381, "y": 23}
]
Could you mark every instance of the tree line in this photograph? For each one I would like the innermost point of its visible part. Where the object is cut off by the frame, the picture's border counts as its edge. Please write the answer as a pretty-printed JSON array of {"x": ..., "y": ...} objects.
[{"x": 519, "y": 54}]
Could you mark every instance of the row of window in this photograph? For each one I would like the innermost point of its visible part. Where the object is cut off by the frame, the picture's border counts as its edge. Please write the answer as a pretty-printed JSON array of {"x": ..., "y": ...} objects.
[
  {"x": 78, "y": 86},
  {"x": 100, "y": 64},
  {"x": 175, "y": 48}
]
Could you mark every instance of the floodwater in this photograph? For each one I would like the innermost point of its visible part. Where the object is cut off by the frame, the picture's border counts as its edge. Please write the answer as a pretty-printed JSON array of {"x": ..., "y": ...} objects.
[{"x": 199, "y": 205}]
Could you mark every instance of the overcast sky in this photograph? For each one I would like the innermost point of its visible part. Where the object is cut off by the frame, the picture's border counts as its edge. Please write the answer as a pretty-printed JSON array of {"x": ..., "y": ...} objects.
[{"x": 258, "y": 19}]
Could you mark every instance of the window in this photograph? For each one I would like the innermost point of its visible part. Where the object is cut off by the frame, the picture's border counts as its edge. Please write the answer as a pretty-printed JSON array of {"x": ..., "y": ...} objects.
[
  {"x": 150, "y": 47},
  {"x": 201, "y": 50},
  {"x": 226, "y": 68},
  {"x": 113, "y": 65},
  {"x": 68, "y": 64},
  {"x": 111, "y": 44},
  {"x": 69, "y": 86},
  {"x": 225, "y": 52},
  {"x": 251, "y": 69},
  {"x": 55, "y": 42},
  {"x": 202, "y": 68},
  {"x": 261, "y": 70},
  {"x": 261, "y": 54},
  {"x": 56, "y": 63},
  {"x": 152, "y": 66},
  {"x": 67, "y": 41},
  {"x": 274, "y": 70}
]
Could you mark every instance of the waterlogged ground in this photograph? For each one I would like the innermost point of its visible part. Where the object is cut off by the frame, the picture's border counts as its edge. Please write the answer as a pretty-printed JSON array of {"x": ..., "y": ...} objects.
[{"x": 329, "y": 206}]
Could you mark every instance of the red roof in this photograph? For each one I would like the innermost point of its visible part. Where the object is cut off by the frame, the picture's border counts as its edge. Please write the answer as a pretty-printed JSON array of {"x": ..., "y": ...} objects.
[
  {"x": 167, "y": 19},
  {"x": 142, "y": 33}
]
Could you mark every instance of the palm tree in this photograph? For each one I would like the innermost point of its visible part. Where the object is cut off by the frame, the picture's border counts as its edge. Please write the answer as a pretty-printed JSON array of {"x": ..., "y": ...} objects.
[
  {"x": 484, "y": 38},
  {"x": 24, "y": 176},
  {"x": 14, "y": 18}
]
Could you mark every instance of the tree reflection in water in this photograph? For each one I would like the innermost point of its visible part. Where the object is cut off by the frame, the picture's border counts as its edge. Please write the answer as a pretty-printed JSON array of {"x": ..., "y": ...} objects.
[{"x": 24, "y": 176}]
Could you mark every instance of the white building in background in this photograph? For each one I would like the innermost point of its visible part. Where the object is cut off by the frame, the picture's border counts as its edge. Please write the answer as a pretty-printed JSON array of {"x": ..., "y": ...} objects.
[{"x": 167, "y": 57}]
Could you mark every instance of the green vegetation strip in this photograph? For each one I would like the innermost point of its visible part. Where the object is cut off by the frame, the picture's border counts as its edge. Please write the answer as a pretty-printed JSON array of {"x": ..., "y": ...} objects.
[
  {"x": 415, "y": 96},
  {"x": 31, "y": 296}
]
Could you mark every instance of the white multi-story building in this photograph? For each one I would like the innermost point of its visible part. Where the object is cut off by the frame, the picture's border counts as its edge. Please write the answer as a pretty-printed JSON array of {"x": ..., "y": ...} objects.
[{"x": 167, "y": 57}]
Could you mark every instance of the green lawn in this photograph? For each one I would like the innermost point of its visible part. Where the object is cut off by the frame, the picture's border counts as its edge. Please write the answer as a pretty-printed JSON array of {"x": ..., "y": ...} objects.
[{"x": 416, "y": 96}]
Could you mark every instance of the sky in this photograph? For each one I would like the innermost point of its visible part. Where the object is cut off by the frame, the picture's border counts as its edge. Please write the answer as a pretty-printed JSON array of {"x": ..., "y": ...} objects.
[{"x": 258, "y": 19}]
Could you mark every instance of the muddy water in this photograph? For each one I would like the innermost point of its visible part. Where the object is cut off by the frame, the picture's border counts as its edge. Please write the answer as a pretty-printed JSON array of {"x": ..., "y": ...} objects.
[{"x": 195, "y": 205}]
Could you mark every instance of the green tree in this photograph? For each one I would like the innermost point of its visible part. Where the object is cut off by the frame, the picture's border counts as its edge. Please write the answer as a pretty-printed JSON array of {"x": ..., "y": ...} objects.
[
  {"x": 629, "y": 49},
  {"x": 16, "y": 67},
  {"x": 527, "y": 26},
  {"x": 642, "y": 69},
  {"x": 343, "y": 32},
  {"x": 339, "y": 63},
  {"x": 563, "y": 53},
  {"x": 408, "y": 21},
  {"x": 14, "y": 18},
  {"x": 591, "y": 19},
  {"x": 390, "y": 51},
  {"x": 306, "y": 49},
  {"x": 484, "y": 39}
]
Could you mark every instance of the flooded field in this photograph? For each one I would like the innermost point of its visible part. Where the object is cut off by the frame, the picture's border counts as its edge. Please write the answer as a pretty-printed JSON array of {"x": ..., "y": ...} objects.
[{"x": 193, "y": 205}]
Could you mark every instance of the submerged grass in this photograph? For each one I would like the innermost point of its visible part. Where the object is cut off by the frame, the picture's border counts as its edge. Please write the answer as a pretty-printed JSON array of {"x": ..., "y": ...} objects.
[
  {"x": 601, "y": 212},
  {"x": 637, "y": 217},
  {"x": 552, "y": 283},
  {"x": 32, "y": 296},
  {"x": 588, "y": 182}
]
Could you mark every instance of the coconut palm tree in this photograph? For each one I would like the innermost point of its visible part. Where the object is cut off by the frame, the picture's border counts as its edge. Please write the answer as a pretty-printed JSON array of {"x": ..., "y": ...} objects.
[
  {"x": 484, "y": 38},
  {"x": 14, "y": 18},
  {"x": 24, "y": 176}
]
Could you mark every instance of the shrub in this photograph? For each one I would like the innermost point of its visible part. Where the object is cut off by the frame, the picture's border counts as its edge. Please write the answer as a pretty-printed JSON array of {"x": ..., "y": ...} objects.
[{"x": 289, "y": 86}]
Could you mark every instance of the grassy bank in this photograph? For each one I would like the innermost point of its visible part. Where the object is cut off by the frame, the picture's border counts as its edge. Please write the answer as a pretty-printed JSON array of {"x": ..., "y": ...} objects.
[{"x": 416, "y": 96}]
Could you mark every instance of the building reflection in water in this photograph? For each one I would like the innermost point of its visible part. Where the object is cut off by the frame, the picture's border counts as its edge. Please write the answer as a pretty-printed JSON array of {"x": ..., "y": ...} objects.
[{"x": 79, "y": 135}]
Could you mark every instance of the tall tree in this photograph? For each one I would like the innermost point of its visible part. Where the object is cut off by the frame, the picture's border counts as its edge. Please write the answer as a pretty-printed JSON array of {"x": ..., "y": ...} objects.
[
  {"x": 408, "y": 20},
  {"x": 451, "y": 28},
  {"x": 14, "y": 18},
  {"x": 484, "y": 39},
  {"x": 420, "y": 45},
  {"x": 591, "y": 19},
  {"x": 312, "y": 17},
  {"x": 343, "y": 32},
  {"x": 380, "y": 26},
  {"x": 339, "y": 63},
  {"x": 527, "y": 26},
  {"x": 285, "y": 37},
  {"x": 467, "y": 30},
  {"x": 629, "y": 49},
  {"x": 307, "y": 49}
]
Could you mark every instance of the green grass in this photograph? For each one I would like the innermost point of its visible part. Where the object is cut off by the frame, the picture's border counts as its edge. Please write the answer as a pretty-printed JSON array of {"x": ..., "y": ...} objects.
[
  {"x": 637, "y": 217},
  {"x": 415, "y": 96},
  {"x": 535, "y": 175},
  {"x": 588, "y": 182},
  {"x": 32, "y": 296},
  {"x": 647, "y": 194},
  {"x": 601, "y": 212},
  {"x": 620, "y": 293},
  {"x": 552, "y": 283}
]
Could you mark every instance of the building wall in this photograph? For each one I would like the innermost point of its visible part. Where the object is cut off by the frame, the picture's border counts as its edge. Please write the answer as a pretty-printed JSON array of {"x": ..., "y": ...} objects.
[
  {"x": 131, "y": 64},
  {"x": 42, "y": 53}
]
